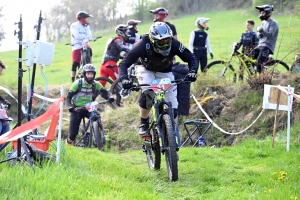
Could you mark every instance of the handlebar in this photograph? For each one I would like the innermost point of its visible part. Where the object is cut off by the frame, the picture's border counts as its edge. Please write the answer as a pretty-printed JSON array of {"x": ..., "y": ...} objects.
[
  {"x": 175, "y": 82},
  {"x": 84, "y": 107},
  {"x": 94, "y": 40}
]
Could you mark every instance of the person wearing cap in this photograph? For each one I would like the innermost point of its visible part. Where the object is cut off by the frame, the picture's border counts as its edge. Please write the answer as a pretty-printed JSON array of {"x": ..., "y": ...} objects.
[
  {"x": 267, "y": 34},
  {"x": 133, "y": 35},
  {"x": 199, "y": 42},
  {"x": 80, "y": 31},
  {"x": 159, "y": 16}
]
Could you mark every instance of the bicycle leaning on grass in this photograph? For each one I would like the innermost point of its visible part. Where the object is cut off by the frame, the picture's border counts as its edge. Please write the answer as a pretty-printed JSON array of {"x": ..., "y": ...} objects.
[
  {"x": 96, "y": 135},
  {"x": 164, "y": 134},
  {"x": 245, "y": 64}
]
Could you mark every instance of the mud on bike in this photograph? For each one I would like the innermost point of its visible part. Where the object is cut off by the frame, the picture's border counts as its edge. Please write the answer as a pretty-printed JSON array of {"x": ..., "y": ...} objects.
[
  {"x": 92, "y": 131},
  {"x": 244, "y": 63},
  {"x": 164, "y": 135}
]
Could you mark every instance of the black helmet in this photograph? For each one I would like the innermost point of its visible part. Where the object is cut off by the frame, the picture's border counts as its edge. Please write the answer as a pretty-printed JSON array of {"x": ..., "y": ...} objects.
[
  {"x": 161, "y": 36},
  {"x": 268, "y": 9},
  {"x": 121, "y": 30},
  {"x": 89, "y": 68},
  {"x": 160, "y": 10},
  {"x": 132, "y": 25},
  {"x": 82, "y": 14}
]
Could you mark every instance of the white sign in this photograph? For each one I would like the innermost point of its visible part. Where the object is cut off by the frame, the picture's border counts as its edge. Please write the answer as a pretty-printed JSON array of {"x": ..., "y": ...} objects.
[{"x": 270, "y": 98}]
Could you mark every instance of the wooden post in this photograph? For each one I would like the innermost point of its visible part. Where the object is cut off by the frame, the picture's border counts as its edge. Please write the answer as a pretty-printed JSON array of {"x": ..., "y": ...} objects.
[{"x": 276, "y": 116}]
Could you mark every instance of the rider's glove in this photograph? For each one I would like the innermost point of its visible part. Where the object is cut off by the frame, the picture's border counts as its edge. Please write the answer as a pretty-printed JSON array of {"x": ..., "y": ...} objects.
[
  {"x": 8, "y": 104},
  {"x": 192, "y": 76},
  {"x": 127, "y": 84},
  {"x": 260, "y": 29},
  {"x": 211, "y": 55},
  {"x": 71, "y": 109}
]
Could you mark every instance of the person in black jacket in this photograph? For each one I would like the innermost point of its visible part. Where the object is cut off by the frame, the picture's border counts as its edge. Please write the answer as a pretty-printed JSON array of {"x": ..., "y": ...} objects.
[
  {"x": 156, "y": 51},
  {"x": 180, "y": 71}
]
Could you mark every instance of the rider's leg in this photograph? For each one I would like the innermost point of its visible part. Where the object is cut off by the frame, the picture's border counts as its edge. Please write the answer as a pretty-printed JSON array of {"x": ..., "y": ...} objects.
[
  {"x": 108, "y": 72},
  {"x": 76, "y": 57},
  {"x": 89, "y": 55},
  {"x": 75, "y": 119},
  {"x": 203, "y": 60},
  {"x": 146, "y": 99},
  {"x": 75, "y": 66},
  {"x": 262, "y": 57}
]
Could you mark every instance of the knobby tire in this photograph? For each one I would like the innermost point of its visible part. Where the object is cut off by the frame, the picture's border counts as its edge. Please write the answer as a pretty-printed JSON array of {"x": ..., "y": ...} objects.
[
  {"x": 170, "y": 145},
  {"x": 99, "y": 140}
]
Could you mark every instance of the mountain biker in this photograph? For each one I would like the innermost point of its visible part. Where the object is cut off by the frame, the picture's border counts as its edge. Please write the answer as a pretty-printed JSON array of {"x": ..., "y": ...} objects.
[
  {"x": 80, "y": 31},
  {"x": 199, "y": 42},
  {"x": 156, "y": 51},
  {"x": 2, "y": 67},
  {"x": 4, "y": 121},
  {"x": 159, "y": 16},
  {"x": 267, "y": 34},
  {"x": 112, "y": 51},
  {"x": 76, "y": 98},
  {"x": 249, "y": 41},
  {"x": 133, "y": 31}
]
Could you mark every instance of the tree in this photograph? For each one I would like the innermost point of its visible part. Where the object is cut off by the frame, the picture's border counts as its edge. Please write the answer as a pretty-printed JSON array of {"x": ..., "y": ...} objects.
[{"x": 1, "y": 29}]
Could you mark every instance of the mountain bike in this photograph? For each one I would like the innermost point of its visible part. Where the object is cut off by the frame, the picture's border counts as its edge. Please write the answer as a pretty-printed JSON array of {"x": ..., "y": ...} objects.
[
  {"x": 164, "y": 136},
  {"x": 85, "y": 55},
  {"x": 245, "y": 63},
  {"x": 4, "y": 106},
  {"x": 96, "y": 135}
]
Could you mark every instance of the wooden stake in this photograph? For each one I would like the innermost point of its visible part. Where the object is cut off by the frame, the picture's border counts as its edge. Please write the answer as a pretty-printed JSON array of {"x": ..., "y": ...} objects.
[{"x": 276, "y": 116}]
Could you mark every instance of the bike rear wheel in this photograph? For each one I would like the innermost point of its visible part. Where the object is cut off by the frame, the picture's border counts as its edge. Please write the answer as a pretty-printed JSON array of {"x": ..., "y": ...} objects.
[
  {"x": 295, "y": 68},
  {"x": 276, "y": 66},
  {"x": 170, "y": 147},
  {"x": 128, "y": 96},
  {"x": 98, "y": 135}
]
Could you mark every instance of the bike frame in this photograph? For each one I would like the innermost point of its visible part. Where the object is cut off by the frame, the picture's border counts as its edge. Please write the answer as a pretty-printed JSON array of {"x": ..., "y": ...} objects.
[{"x": 158, "y": 110}]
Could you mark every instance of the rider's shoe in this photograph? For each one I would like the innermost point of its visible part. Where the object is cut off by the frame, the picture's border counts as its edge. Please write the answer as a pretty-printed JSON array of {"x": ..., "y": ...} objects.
[
  {"x": 69, "y": 142},
  {"x": 144, "y": 131}
]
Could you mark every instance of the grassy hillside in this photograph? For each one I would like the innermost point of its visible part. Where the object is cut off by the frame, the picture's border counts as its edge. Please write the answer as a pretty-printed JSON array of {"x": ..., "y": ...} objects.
[{"x": 249, "y": 170}]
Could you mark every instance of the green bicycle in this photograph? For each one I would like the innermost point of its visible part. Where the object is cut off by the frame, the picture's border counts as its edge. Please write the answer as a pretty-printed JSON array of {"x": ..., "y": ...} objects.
[
  {"x": 245, "y": 63},
  {"x": 164, "y": 134}
]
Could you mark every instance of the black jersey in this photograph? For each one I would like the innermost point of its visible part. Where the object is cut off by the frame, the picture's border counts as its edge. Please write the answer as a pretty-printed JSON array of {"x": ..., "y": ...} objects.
[{"x": 154, "y": 61}]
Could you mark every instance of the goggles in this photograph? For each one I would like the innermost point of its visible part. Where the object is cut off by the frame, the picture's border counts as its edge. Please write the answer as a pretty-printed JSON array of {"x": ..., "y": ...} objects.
[{"x": 164, "y": 42}]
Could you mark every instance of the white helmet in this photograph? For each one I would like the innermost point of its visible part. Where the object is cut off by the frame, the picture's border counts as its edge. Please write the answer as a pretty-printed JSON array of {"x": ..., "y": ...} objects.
[
  {"x": 160, "y": 35},
  {"x": 201, "y": 22}
]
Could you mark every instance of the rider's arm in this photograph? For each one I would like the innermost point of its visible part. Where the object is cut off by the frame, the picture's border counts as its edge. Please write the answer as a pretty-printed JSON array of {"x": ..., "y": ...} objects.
[
  {"x": 207, "y": 44},
  {"x": 105, "y": 93},
  {"x": 69, "y": 98},
  {"x": 272, "y": 31},
  {"x": 1, "y": 99},
  {"x": 254, "y": 40},
  {"x": 239, "y": 44},
  {"x": 185, "y": 55},
  {"x": 138, "y": 50},
  {"x": 191, "y": 41},
  {"x": 121, "y": 46}
]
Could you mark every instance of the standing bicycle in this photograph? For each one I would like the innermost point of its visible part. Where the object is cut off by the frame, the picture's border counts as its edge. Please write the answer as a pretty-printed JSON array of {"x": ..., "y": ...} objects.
[
  {"x": 227, "y": 68},
  {"x": 83, "y": 91},
  {"x": 80, "y": 31},
  {"x": 156, "y": 51}
]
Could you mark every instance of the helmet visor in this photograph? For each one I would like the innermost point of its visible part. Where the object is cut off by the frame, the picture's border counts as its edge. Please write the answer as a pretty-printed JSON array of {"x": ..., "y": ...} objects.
[{"x": 164, "y": 43}]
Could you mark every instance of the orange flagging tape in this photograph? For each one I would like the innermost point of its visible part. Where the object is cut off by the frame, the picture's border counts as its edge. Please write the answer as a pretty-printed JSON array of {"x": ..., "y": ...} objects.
[{"x": 28, "y": 127}]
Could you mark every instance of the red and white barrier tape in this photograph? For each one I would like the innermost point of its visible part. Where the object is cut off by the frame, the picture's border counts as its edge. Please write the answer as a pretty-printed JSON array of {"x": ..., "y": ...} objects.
[{"x": 10, "y": 94}]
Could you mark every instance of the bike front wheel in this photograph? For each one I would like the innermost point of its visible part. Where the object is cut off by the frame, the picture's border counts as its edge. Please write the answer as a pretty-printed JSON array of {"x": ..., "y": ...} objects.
[
  {"x": 170, "y": 147},
  {"x": 98, "y": 135},
  {"x": 221, "y": 69}
]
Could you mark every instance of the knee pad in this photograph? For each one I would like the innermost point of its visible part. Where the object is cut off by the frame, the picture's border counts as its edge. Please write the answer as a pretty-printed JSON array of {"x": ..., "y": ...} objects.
[
  {"x": 75, "y": 65},
  {"x": 146, "y": 100}
]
